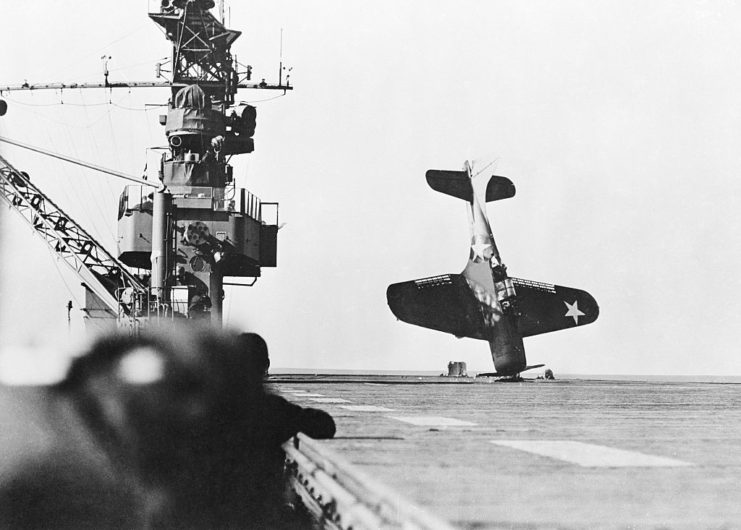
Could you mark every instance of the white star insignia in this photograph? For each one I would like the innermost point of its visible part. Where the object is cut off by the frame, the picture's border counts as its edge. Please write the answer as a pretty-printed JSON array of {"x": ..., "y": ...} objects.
[
  {"x": 573, "y": 311},
  {"x": 479, "y": 249}
]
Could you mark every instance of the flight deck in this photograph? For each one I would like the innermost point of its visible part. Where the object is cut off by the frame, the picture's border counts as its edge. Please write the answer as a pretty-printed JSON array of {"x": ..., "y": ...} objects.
[{"x": 573, "y": 453}]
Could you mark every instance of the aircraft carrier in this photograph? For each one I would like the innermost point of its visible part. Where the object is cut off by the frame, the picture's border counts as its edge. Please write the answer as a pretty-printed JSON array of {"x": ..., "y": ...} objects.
[
  {"x": 569, "y": 453},
  {"x": 411, "y": 451}
]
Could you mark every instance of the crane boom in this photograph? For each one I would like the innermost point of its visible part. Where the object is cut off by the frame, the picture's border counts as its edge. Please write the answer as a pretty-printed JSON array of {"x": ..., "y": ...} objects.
[
  {"x": 101, "y": 273},
  {"x": 82, "y": 163}
]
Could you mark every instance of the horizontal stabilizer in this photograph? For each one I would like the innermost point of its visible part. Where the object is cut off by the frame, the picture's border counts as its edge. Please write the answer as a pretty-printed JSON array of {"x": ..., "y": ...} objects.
[
  {"x": 544, "y": 307},
  {"x": 499, "y": 188},
  {"x": 443, "y": 303},
  {"x": 458, "y": 184}
]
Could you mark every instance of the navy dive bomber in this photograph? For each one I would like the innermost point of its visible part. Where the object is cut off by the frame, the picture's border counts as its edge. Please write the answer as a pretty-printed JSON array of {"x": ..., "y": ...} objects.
[{"x": 484, "y": 302}]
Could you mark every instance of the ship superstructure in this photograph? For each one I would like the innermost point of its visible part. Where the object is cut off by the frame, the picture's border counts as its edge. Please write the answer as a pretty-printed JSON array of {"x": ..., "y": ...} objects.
[{"x": 191, "y": 227}]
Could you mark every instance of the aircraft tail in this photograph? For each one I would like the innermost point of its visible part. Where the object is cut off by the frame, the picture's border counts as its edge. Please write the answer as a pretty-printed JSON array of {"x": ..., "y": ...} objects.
[{"x": 458, "y": 184}]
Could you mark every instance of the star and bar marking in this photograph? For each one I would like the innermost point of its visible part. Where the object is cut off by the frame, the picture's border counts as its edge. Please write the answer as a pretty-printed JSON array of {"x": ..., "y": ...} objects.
[
  {"x": 479, "y": 250},
  {"x": 573, "y": 311}
]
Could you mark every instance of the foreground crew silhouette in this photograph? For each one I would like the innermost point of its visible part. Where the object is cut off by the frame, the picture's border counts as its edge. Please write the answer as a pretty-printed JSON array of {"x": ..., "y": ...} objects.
[{"x": 172, "y": 429}]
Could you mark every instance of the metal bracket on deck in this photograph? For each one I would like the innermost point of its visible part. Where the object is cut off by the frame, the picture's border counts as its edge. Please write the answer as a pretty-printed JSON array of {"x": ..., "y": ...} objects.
[{"x": 340, "y": 496}]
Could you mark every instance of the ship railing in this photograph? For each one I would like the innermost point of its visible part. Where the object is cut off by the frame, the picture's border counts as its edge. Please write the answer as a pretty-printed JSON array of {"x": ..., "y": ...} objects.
[
  {"x": 249, "y": 205},
  {"x": 131, "y": 305},
  {"x": 133, "y": 198},
  {"x": 136, "y": 307},
  {"x": 169, "y": 310},
  {"x": 341, "y": 496},
  {"x": 141, "y": 306}
]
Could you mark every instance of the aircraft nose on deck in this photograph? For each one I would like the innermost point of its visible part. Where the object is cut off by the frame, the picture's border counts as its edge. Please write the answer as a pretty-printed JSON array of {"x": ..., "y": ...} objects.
[{"x": 506, "y": 366}]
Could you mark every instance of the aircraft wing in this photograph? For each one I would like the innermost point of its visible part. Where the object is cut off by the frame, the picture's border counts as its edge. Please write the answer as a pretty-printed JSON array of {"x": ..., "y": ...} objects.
[
  {"x": 443, "y": 303},
  {"x": 545, "y": 307},
  {"x": 447, "y": 303}
]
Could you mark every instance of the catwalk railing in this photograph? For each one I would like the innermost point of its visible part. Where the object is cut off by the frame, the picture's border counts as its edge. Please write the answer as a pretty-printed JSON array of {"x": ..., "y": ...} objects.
[{"x": 340, "y": 496}]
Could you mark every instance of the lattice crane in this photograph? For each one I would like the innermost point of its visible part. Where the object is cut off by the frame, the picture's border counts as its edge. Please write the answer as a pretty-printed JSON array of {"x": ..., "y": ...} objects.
[{"x": 100, "y": 272}]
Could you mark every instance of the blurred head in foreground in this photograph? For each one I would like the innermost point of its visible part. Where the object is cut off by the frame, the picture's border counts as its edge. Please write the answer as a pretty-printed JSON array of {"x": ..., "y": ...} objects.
[
  {"x": 168, "y": 396},
  {"x": 182, "y": 417}
]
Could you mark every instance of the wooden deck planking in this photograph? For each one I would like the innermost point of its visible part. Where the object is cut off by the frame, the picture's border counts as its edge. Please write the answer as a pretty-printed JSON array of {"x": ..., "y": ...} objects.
[{"x": 457, "y": 473}]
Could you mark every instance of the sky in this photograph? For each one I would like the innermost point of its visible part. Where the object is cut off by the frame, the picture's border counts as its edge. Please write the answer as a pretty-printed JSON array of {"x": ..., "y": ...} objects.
[{"x": 618, "y": 121}]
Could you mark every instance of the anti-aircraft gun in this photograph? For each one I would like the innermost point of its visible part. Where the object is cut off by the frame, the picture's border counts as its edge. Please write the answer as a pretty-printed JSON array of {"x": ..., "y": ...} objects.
[{"x": 213, "y": 229}]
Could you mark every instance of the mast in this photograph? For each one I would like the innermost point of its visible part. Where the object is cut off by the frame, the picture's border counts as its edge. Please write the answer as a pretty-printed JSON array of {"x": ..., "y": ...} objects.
[{"x": 161, "y": 205}]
